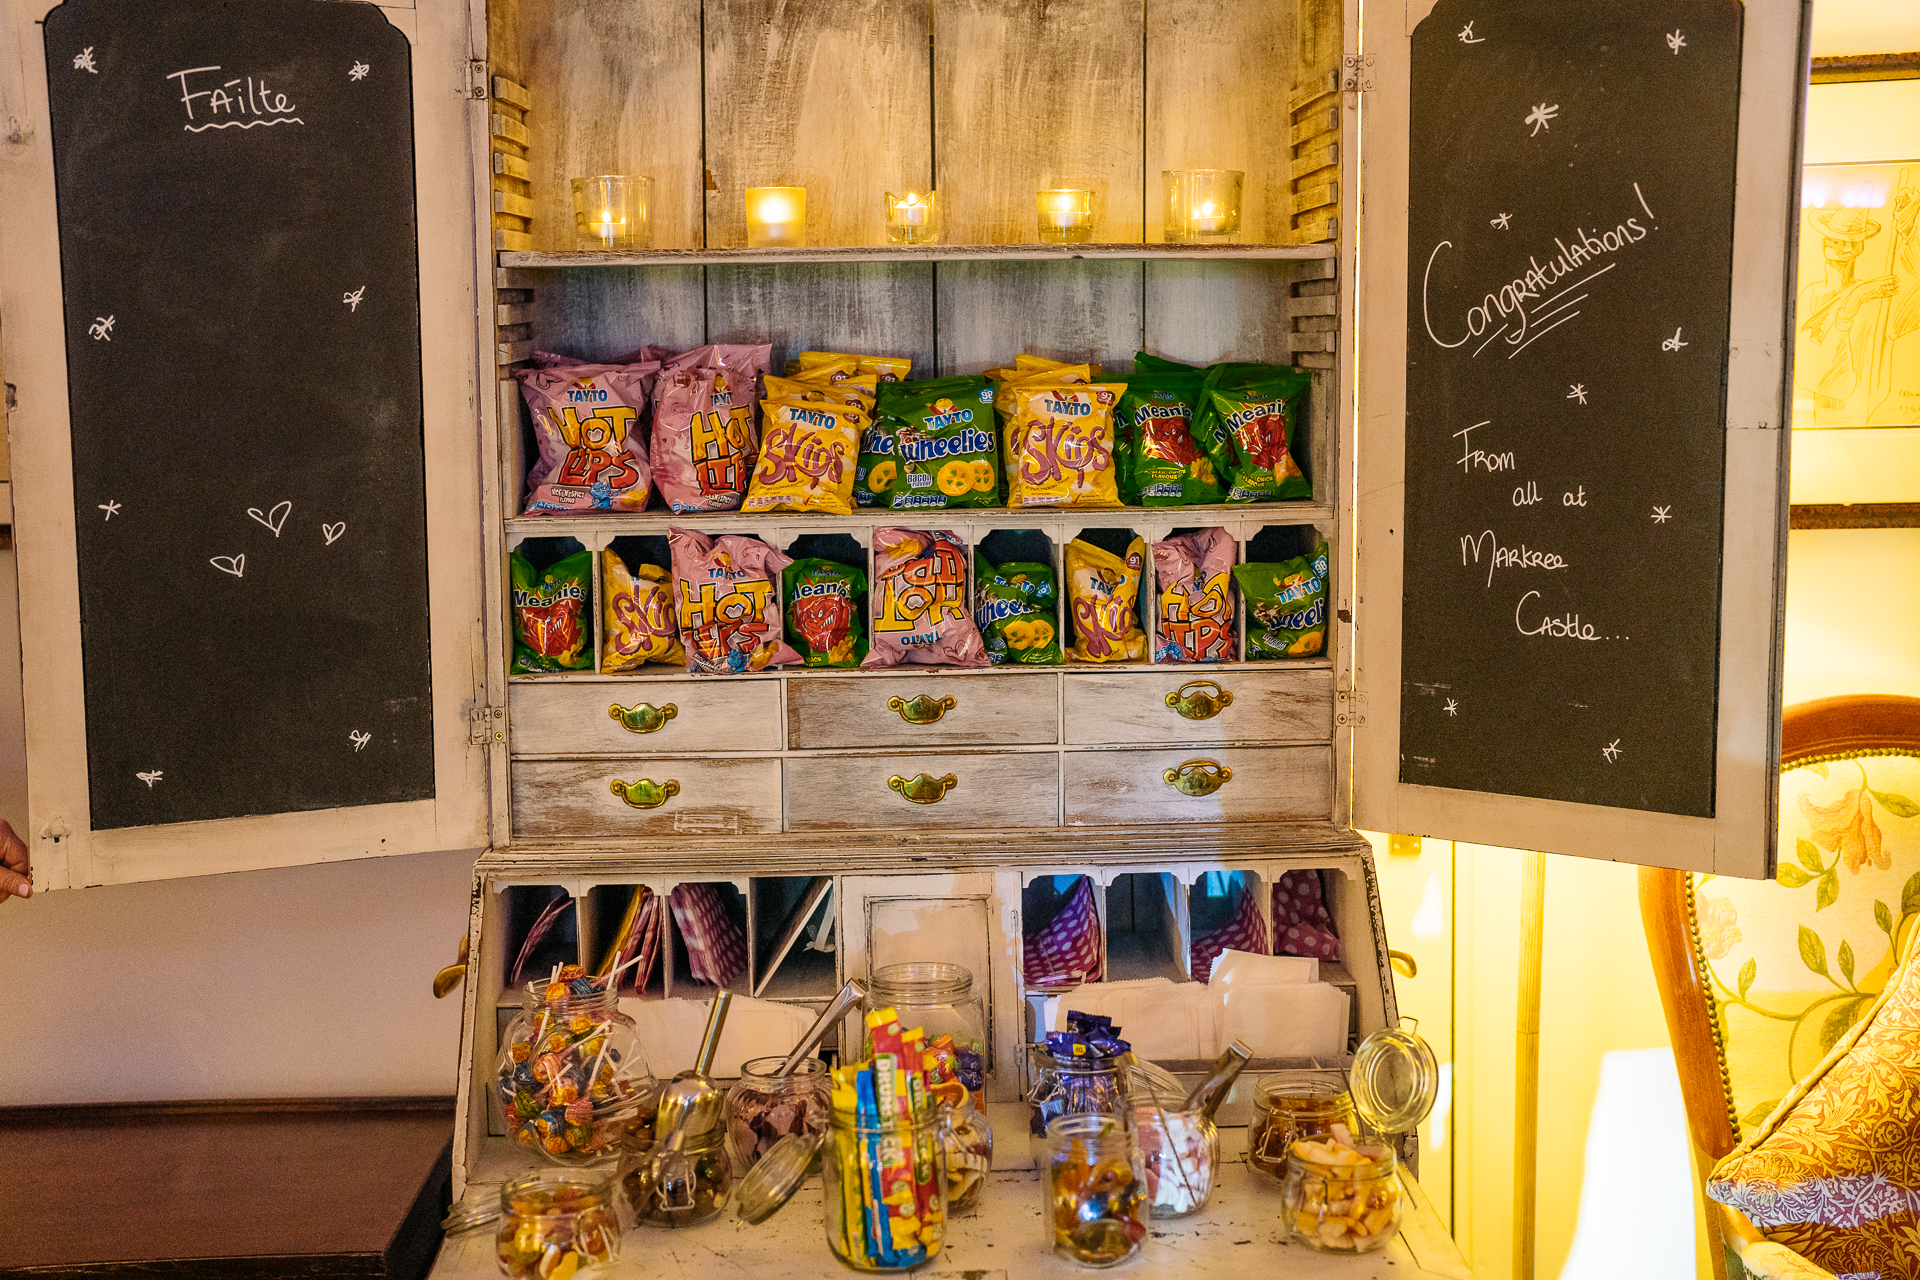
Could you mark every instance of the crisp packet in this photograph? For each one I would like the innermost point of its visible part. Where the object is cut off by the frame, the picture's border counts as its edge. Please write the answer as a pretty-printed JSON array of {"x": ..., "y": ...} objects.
[
  {"x": 1193, "y": 604},
  {"x": 886, "y": 368},
  {"x": 550, "y": 612},
  {"x": 1104, "y": 590},
  {"x": 858, "y": 391},
  {"x": 944, "y": 442},
  {"x": 1168, "y": 466},
  {"x": 1014, "y": 607},
  {"x": 706, "y": 427},
  {"x": 1286, "y": 606},
  {"x": 919, "y": 601},
  {"x": 586, "y": 419},
  {"x": 726, "y": 602},
  {"x": 1254, "y": 422},
  {"x": 877, "y": 476},
  {"x": 824, "y": 602},
  {"x": 1060, "y": 445},
  {"x": 637, "y": 624},
  {"x": 807, "y": 457}
]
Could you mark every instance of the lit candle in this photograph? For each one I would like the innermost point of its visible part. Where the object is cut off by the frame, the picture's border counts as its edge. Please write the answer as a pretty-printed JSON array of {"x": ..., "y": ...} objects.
[
  {"x": 910, "y": 212},
  {"x": 611, "y": 211},
  {"x": 912, "y": 218},
  {"x": 1207, "y": 220},
  {"x": 776, "y": 217},
  {"x": 1066, "y": 215},
  {"x": 1202, "y": 204}
]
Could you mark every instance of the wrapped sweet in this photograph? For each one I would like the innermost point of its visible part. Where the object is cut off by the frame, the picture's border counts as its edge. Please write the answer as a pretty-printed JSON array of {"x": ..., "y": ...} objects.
[{"x": 571, "y": 1078}]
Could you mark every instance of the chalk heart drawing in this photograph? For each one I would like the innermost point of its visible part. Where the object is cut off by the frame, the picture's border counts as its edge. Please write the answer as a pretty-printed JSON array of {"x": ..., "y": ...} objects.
[
  {"x": 235, "y": 565},
  {"x": 150, "y": 778},
  {"x": 274, "y": 518},
  {"x": 332, "y": 531},
  {"x": 359, "y": 739}
]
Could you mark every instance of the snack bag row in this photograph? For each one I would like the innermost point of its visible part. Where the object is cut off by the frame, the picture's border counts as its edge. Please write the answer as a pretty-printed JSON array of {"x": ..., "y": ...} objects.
[{"x": 1241, "y": 416}]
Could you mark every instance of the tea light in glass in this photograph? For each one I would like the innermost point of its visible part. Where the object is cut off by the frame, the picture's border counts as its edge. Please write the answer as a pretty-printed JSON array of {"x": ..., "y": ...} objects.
[
  {"x": 776, "y": 217},
  {"x": 612, "y": 211},
  {"x": 1202, "y": 204},
  {"x": 913, "y": 218},
  {"x": 1066, "y": 215}
]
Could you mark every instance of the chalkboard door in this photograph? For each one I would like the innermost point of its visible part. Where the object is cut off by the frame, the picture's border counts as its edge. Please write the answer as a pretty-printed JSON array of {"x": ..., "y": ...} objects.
[
  {"x": 239, "y": 305},
  {"x": 1571, "y": 423}
]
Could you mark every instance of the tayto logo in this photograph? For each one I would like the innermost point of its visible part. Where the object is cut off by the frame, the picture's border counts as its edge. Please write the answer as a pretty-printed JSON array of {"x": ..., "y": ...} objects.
[
  {"x": 584, "y": 392},
  {"x": 951, "y": 416},
  {"x": 1068, "y": 408}
]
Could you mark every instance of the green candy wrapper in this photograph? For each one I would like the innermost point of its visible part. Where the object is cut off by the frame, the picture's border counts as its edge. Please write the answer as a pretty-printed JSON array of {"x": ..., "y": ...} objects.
[
  {"x": 1168, "y": 468},
  {"x": 826, "y": 611},
  {"x": 1015, "y": 606},
  {"x": 1245, "y": 421},
  {"x": 1286, "y": 606},
  {"x": 551, "y": 629},
  {"x": 931, "y": 446}
]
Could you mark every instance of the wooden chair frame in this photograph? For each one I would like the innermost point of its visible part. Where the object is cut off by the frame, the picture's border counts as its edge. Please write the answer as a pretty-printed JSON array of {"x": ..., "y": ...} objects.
[{"x": 1828, "y": 727}]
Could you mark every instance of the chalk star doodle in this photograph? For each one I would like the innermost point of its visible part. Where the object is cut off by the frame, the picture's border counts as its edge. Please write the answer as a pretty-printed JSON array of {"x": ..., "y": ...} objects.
[
  {"x": 1452, "y": 708},
  {"x": 359, "y": 739},
  {"x": 83, "y": 61},
  {"x": 359, "y": 71},
  {"x": 1466, "y": 35},
  {"x": 1611, "y": 750},
  {"x": 111, "y": 508},
  {"x": 353, "y": 299},
  {"x": 1676, "y": 41},
  {"x": 1662, "y": 514},
  {"x": 1578, "y": 391},
  {"x": 150, "y": 778},
  {"x": 101, "y": 330},
  {"x": 1539, "y": 116},
  {"x": 1673, "y": 343},
  {"x": 1501, "y": 221}
]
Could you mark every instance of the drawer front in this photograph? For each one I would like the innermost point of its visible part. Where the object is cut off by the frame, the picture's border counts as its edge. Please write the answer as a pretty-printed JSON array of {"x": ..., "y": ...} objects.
[
  {"x": 837, "y": 792},
  {"x": 656, "y": 795},
  {"x": 922, "y": 710},
  {"x": 1235, "y": 784},
  {"x": 1207, "y": 705},
  {"x": 633, "y": 716}
]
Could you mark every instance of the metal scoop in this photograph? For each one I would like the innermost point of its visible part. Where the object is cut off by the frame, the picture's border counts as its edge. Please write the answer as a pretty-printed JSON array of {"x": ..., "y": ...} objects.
[
  {"x": 850, "y": 995},
  {"x": 689, "y": 1105},
  {"x": 672, "y": 1171}
]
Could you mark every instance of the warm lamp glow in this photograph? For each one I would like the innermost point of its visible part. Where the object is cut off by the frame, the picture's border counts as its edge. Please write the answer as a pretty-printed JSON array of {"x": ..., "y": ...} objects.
[{"x": 776, "y": 217}]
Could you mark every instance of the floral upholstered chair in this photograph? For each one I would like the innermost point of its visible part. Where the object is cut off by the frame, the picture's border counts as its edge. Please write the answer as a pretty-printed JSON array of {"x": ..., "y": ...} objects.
[{"x": 1764, "y": 982}]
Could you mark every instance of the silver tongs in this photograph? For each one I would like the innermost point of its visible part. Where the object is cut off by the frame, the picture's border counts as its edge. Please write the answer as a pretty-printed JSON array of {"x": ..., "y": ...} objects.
[
  {"x": 850, "y": 995},
  {"x": 689, "y": 1105}
]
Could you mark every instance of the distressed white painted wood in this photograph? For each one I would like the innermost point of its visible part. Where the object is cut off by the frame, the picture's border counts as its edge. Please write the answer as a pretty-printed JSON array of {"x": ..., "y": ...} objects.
[
  {"x": 823, "y": 711},
  {"x": 1073, "y": 311},
  {"x": 1200, "y": 312},
  {"x": 708, "y": 715},
  {"x": 871, "y": 308},
  {"x": 990, "y": 789},
  {"x": 1131, "y": 707},
  {"x": 1130, "y": 786},
  {"x": 576, "y": 797}
]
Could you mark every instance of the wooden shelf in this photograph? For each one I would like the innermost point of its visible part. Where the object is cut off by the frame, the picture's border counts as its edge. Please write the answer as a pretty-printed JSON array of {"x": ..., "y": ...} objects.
[
  {"x": 914, "y": 253},
  {"x": 913, "y": 670},
  {"x": 1052, "y": 520}
]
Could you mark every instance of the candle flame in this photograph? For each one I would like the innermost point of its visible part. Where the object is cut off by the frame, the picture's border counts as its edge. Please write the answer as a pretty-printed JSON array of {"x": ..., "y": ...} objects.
[{"x": 775, "y": 208}]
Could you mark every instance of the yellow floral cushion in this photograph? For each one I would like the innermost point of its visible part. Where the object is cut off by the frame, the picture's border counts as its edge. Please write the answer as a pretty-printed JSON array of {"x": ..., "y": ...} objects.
[
  {"x": 1793, "y": 963},
  {"x": 1834, "y": 1174}
]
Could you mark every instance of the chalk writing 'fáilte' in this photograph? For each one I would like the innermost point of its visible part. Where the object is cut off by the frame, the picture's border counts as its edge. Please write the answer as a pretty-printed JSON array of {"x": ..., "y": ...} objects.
[{"x": 239, "y": 103}]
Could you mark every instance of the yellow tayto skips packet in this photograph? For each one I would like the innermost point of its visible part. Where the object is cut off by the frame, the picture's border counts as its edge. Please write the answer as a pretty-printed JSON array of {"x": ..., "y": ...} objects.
[
  {"x": 858, "y": 391},
  {"x": 1103, "y": 591},
  {"x": 886, "y": 368},
  {"x": 807, "y": 452},
  {"x": 1059, "y": 445},
  {"x": 639, "y": 623}
]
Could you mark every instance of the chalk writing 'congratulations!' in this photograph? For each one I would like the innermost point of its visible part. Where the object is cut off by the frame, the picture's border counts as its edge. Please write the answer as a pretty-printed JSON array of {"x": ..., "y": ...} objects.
[
  {"x": 1518, "y": 309},
  {"x": 239, "y": 103}
]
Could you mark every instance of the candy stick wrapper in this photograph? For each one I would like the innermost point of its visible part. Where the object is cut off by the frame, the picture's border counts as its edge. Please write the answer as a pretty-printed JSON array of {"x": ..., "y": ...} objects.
[
  {"x": 872, "y": 1161},
  {"x": 913, "y": 1055},
  {"x": 895, "y": 1112}
]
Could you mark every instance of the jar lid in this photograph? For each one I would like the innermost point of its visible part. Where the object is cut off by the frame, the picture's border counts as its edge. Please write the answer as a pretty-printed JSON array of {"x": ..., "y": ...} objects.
[
  {"x": 1394, "y": 1079},
  {"x": 778, "y": 1174}
]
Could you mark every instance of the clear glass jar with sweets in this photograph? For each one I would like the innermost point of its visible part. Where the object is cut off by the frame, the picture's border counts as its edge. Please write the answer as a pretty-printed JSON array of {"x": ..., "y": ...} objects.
[
  {"x": 1179, "y": 1149},
  {"x": 902, "y": 1223},
  {"x": 765, "y": 1106},
  {"x": 712, "y": 1183},
  {"x": 1343, "y": 1200},
  {"x": 939, "y": 999},
  {"x": 1288, "y": 1106},
  {"x": 1093, "y": 1189},
  {"x": 551, "y": 1219},
  {"x": 571, "y": 1075}
]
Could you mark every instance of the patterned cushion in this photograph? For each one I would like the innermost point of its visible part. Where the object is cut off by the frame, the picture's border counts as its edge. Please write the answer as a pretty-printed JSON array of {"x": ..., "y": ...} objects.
[
  {"x": 1834, "y": 1174},
  {"x": 1795, "y": 962}
]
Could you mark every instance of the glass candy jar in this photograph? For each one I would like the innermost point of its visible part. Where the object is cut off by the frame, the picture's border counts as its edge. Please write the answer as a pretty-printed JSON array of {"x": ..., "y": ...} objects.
[
  {"x": 1341, "y": 1199},
  {"x": 901, "y": 1224},
  {"x": 1072, "y": 1087},
  {"x": 548, "y": 1218},
  {"x": 968, "y": 1139},
  {"x": 938, "y": 998},
  {"x": 766, "y": 1106},
  {"x": 1288, "y": 1106},
  {"x": 1094, "y": 1190},
  {"x": 706, "y": 1153},
  {"x": 571, "y": 1075},
  {"x": 1179, "y": 1149}
]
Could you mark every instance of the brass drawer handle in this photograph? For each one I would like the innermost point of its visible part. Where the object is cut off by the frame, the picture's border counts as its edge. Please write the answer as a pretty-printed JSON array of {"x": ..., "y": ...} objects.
[
  {"x": 923, "y": 788},
  {"x": 642, "y": 717},
  {"x": 1198, "y": 777},
  {"x": 920, "y": 709},
  {"x": 646, "y": 793},
  {"x": 1199, "y": 699}
]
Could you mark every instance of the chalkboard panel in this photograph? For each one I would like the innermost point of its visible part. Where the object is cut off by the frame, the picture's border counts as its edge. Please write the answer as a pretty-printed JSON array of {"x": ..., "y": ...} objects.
[
  {"x": 1570, "y": 241},
  {"x": 238, "y": 259}
]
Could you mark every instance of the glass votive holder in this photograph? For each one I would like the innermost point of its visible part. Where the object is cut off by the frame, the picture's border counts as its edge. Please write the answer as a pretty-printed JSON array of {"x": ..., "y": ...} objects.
[
  {"x": 913, "y": 218},
  {"x": 776, "y": 217},
  {"x": 1202, "y": 204},
  {"x": 1066, "y": 215},
  {"x": 613, "y": 211}
]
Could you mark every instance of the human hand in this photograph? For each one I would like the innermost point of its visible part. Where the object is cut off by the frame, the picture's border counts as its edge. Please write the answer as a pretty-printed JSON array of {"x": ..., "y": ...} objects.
[{"x": 16, "y": 868}]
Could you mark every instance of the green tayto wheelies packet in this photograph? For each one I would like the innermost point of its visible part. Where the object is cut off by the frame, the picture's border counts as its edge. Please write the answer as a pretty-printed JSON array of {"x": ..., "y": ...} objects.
[
  {"x": 1249, "y": 422},
  {"x": 1168, "y": 466},
  {"x": 826, "y": 612},
  {"x": 927, "y": 446},
  {"x": 1016, "y": 609},
  {"x": 551, "y": 629},
  {"x": 1286, "y": 606}
]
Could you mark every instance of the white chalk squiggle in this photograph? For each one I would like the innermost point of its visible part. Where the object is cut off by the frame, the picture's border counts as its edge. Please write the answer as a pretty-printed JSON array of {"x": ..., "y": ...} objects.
[{"x": 241, "y": 124}]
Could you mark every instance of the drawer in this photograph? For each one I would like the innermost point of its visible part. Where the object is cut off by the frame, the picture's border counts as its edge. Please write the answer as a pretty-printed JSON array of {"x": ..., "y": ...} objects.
[
  {"x": 988, "y": 789},
  {"x": 577, "y": 797},
  {"x": 915, "y": 711},
  {"x": 1282, "y": 784},
  {"x": 1259, "y": 706},
  {"x": 630, "y": 716}
]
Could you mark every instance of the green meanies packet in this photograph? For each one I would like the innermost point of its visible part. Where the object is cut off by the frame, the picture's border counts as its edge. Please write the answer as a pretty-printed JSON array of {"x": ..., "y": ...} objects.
[
  {"x": 551, "y": 628},
  {"x": 1168, "y": 466},
  {"x": 1015, "y": 608},
  {"x": 826, "y": 609},
  {"x": 1245, "y": 421},
  {"x": 1286, "y": 606}
]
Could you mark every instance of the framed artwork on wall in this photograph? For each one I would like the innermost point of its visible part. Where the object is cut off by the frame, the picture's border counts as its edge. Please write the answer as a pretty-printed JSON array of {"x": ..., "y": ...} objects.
[{"x": 1857, "y": 315}]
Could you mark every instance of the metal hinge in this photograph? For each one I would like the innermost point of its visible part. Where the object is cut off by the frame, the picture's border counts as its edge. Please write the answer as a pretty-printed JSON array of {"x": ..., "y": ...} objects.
[
  {"x": 477, "y": 78},
  {"x": 1353, "y": 707},
  {"x": 1356, "y": 72},
  {"x": 486, "y": 726}
]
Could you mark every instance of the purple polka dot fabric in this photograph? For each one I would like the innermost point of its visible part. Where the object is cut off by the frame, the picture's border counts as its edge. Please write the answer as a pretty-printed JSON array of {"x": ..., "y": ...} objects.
[
  {"x": 1067, "y": 951},
  {"x": 1301, "y": 925},
  {"x": 1243, "y": 931}
]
